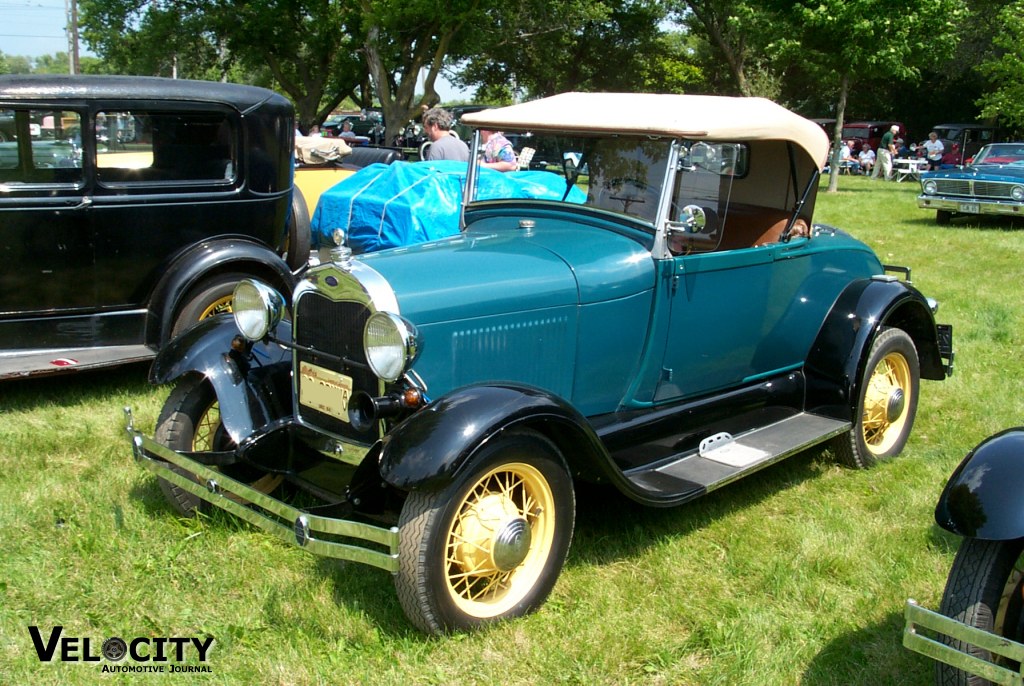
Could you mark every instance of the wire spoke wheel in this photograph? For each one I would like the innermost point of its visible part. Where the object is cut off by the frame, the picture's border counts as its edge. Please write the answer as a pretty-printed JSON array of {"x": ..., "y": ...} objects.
[
  {"x": 219, "y": 306},
  {"x": 190, "y": 422},
  {"x": 499, "y": 540},
  {"x": 491, "y": 544},
  {"x": 886, "y": 402}
]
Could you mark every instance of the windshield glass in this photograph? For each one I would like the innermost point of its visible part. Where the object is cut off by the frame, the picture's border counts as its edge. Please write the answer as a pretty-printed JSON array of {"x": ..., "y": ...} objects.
[
  {"x": 1001, "y": 154},
  {"x": 619, "y": 174}
]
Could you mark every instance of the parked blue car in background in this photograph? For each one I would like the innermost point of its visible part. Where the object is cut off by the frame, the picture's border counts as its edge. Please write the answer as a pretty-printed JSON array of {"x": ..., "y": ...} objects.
[
  {"x": 667, "y": 322},
  {"x": 990, "y": 184}
]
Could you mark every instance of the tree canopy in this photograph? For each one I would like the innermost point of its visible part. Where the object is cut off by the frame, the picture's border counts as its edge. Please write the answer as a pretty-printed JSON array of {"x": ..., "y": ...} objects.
[{"x": 822, "y": 58}]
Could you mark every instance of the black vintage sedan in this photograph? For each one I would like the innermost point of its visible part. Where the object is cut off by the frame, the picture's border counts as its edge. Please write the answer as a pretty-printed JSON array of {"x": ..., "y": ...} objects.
[
  {"x": 992, "y": 183},
  {"x": 136, "y": 214}
]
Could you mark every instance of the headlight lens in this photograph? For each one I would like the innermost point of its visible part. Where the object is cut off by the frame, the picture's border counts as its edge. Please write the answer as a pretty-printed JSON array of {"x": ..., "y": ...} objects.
[
  {"x": 390, "y": 344},
  {"x": 930, "y": 187},
  {"x": 1017, "y": 192},
  {"x": 257, "y": 308}
]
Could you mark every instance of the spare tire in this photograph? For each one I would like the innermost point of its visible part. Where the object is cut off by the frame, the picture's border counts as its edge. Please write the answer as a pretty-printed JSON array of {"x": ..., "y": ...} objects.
[{"x": 299, "y": 232}]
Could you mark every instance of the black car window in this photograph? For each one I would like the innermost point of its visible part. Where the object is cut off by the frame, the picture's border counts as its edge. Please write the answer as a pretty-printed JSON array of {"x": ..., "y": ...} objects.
[
  {"x": 134, "y": 147},
  {"x": 40, "y": 146}
]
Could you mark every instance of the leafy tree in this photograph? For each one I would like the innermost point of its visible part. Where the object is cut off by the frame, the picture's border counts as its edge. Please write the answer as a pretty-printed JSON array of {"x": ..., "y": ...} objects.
[
  {"x": 889, "y": 45},
  {"x": 14, "y": 64},
  {"x": 542, "y": 48},
  {"x": 309, "y": 47},
  {"x": 150, "y": 37},
  {"x": 405, "y": 41},
  {"x": 1006, "y": 100},
  {"x": 735, "y": 33}
]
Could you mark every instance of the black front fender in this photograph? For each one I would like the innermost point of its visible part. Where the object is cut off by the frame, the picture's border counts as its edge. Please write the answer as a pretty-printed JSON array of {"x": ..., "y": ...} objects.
[
  {"x": 428, "y": 449},
  {"x": 251, "y": 392},
  {"x": 983, "y": 498}
]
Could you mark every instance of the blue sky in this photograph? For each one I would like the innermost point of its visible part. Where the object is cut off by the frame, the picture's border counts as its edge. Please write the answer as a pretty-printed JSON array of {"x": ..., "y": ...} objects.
[{"x": 33, "y": 27}]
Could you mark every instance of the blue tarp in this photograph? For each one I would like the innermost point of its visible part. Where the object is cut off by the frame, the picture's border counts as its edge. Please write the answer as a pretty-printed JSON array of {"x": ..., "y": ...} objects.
[{"x": 389, "y": 205}]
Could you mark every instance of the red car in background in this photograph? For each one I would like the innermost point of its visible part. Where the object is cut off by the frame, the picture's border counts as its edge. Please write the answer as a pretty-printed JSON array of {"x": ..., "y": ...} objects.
[{"x": 870, "y": 132}]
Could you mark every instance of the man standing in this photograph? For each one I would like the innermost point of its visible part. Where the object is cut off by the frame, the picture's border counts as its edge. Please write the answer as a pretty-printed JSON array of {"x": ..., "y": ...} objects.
[
  {"x": 444, "y": 145},
  {"x": 886, "y": 154}
]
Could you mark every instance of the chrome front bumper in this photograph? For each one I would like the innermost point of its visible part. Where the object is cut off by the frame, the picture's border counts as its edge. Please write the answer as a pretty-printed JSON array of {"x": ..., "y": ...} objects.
[
  {"x": 288, "y": 523},
  {"x": 918, "y": 618},
  {"x": 963, "y": 205}
]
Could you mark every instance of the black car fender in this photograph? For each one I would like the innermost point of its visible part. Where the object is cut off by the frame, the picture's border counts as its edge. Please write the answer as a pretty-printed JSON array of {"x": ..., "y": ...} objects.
[
  {"x": 835, "y": 363},
  {"x": 428, "y": 449},
  {"x": 252, "y": 390},
  {"x": 207, "y": 259},
  {"x": 982, "y": 498}
]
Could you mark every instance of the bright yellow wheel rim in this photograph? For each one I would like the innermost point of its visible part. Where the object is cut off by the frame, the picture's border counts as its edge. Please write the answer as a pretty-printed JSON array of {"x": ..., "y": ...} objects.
[
  {"x": 203, "y": 441},
  {"x": 218, "y": 306},
  {"x": 886, "y": 403},
  {"x": 499, "y": 540}
]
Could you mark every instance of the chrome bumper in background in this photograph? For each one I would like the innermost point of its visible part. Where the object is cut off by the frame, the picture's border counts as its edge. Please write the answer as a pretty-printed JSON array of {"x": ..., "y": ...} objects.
[
  {"x": 918, "y": 618},
  {"x": 288, "y": 523},
  {"x": 970, "y": 205}
]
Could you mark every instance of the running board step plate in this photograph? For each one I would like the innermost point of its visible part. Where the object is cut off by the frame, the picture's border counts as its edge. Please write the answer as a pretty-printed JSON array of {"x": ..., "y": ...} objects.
[
  {"x": 722, "y": 459},
  {"x": 23, "y": 363}
]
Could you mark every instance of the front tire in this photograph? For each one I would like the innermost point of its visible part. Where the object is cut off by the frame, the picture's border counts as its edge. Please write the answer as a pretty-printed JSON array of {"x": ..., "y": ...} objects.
[
  {"x": 943, "y": 217},
  {"x": 491, "y": 544},
  {"x": 190, "y": 422},
  {"x": 886, "y": 402},
  {"x": 983, "y": 591}
]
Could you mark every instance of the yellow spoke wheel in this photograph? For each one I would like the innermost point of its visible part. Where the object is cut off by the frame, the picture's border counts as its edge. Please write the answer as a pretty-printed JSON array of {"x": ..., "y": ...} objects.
[
  {"x": 490, "y": 544},
  {"x": 218, "y": 306},
  {"x": 886, "y": 401},
  {"x": 499, "y": 540},
  {"x": 190, "y": 421}
]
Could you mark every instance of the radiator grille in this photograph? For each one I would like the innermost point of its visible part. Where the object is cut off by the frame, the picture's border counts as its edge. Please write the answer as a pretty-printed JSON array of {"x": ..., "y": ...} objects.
[
  {"x": 979, "y": 189},
  {"x": 335, "y": 328}
]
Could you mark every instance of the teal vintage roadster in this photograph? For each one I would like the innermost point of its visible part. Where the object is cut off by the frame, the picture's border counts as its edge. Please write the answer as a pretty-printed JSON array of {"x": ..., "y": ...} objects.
[{"x": 670, "y": 321}]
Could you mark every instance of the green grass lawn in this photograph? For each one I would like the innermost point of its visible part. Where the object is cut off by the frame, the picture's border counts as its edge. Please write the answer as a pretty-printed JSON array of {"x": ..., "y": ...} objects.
[{"x": 797, "y": 575}]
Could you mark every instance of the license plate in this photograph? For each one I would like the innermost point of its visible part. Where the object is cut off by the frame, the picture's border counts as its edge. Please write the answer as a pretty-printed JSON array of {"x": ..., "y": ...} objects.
[
  {"x": 970, "y": 208},
  {"x": 324, "y": 390}
]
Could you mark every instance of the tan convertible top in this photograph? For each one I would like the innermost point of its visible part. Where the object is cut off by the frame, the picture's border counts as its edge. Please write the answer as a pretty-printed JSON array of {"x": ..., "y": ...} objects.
[{"x": 708, "y": 117}]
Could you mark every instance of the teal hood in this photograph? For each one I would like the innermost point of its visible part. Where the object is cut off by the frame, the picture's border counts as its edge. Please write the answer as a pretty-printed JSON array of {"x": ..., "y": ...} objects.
[{"x": 497, "y": 267}]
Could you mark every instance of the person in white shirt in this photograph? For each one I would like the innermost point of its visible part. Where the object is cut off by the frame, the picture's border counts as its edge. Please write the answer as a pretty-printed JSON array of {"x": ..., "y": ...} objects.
[
  {"x": 867, "y": 158},
  {"x": 934, "y": 150}
]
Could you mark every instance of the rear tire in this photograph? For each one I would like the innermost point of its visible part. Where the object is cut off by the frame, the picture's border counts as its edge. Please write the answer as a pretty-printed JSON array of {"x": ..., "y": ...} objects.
[
  {"x": 190, "y": 422},
  {"x": 983, "y": 591},
  {"x": 490, "y": 545},
  {"x": 886, "y": 402}
]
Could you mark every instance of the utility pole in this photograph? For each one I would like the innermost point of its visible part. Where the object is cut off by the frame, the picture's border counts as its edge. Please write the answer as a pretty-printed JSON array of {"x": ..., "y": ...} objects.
[{"x": 71, "y": 10}]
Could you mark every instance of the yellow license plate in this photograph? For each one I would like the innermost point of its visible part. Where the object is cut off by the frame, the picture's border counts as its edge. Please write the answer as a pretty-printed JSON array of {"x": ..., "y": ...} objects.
[{"x": 324, "y": 390}]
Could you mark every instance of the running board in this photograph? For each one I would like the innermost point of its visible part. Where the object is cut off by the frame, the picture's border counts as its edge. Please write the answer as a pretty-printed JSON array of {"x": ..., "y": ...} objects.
[
  {"x": 721, "y": 459},
  {"x": 23, "y": 363}
]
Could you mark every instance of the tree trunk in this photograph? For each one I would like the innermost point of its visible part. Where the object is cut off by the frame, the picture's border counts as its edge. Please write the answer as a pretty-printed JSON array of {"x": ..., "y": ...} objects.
[{"x": 837, "y": 137}]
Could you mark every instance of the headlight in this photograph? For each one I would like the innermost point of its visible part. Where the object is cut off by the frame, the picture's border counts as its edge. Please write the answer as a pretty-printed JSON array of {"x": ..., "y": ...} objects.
[
  {"x": 930, "y": 187},
  {"x": 1017, "y": 193},
  {"x": 390, "y": 344},
  {"x": 257, "y": 308}
]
